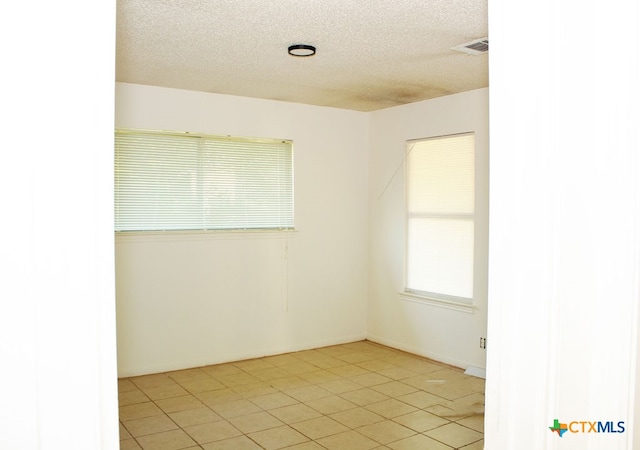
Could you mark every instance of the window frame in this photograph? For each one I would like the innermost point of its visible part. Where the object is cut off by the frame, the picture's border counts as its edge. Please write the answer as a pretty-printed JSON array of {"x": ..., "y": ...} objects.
[
  {"x": 204, "y": 139},
  {"x": 459, "y": 303}
]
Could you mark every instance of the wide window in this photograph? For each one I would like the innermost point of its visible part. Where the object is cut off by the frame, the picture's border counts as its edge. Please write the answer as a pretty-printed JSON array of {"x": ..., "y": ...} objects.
[
  {"x": 440, "y": 217},
  {"x": 183, "y": 181}
]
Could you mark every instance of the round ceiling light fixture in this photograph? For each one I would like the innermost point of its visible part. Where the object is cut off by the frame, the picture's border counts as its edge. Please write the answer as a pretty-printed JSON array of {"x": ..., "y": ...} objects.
[{"x": 302, "y": 50}]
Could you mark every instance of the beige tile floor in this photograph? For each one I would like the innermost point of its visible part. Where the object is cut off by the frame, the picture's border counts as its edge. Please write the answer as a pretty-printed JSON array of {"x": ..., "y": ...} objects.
[{"x": 356, "y": 396}]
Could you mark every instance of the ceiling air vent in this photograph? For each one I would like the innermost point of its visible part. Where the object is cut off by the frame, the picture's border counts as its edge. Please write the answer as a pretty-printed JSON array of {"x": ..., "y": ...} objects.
[{"x": 475, "y": 47}]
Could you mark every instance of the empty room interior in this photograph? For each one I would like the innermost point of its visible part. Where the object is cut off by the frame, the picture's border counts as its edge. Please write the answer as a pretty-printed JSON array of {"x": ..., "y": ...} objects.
[
  {"x": 318, "y": 331},
  {"x": 330, "y": 288}
]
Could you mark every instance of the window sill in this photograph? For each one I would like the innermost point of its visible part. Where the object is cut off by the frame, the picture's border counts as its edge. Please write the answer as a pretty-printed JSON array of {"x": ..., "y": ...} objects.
[
  {"x": 201, "y": 235},
  {"x": 438, "y": 302}
]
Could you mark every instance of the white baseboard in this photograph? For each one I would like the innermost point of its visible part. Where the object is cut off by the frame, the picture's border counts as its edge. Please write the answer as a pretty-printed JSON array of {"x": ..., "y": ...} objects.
[
  {"x": 221, "y": 358},
  {"x": 476, "y": 372},
  {"x": 435, "y": 356},
  {"x": 418, "y": 351}
]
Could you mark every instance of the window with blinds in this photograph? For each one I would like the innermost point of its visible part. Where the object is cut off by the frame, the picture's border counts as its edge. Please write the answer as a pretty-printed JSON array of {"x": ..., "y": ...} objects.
[
  {"x": 183, "y": 181},
  {"x": 440, "y": 217}
]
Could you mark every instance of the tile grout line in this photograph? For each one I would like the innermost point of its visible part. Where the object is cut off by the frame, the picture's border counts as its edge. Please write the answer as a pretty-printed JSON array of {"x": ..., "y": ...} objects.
[{"x": 374, "y": 362}]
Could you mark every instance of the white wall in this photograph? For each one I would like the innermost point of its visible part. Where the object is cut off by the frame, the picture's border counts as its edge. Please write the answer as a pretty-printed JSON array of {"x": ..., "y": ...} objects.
[
  {"x": 444, "y": 334},
  {"x": 42, "y": 262},
  {"x": 192, "y": 299},
  {"x": 57, "y": 323},
  {"x": 565, "y": 223}
]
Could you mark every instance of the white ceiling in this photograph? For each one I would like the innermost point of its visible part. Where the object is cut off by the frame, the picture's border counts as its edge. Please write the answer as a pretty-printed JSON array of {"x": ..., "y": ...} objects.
[{"x": 371, "y": 54}]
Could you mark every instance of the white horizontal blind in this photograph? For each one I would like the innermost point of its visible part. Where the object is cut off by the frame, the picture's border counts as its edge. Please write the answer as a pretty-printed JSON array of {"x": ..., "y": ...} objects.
[
  {"x": 172, "y": 181},
  {"x": 440, "y": 217}
]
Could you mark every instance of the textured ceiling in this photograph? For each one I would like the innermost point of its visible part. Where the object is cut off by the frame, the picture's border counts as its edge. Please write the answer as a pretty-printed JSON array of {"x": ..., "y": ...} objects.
[{"x": 371, "y": 54}]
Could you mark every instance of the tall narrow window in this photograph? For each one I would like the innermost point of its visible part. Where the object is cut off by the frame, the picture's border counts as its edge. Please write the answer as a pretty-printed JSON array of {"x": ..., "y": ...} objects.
[
  {"x": 440, "y": 217},
  {"x": 182, "y": 181}
]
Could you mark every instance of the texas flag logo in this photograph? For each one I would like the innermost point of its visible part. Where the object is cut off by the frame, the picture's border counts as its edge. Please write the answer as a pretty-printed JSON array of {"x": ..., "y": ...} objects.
[{"x": 560, "y": 428}]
